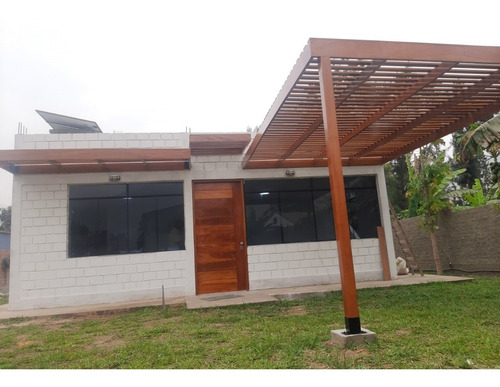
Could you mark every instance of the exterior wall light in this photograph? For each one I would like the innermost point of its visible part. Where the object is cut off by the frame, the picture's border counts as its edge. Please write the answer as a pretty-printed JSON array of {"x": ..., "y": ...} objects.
[{"x": 290, "y": 172}]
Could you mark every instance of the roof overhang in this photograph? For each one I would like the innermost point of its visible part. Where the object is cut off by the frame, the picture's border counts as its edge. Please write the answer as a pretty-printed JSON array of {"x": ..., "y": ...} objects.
[
  {"x": 390, "y": 98},
  {"x": 34, "y": 161},
  {"x": 218, "y": 144}
]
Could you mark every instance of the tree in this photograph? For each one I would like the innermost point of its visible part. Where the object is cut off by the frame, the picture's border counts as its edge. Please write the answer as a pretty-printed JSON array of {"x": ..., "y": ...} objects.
[
  {"x": 429, "y": 178},
  {"x": 5, "y": 216},
  {"x": 396, "y": 178},
  {"x": 484, "y": 137},
  {"x": 475, "y": 167},
  {"x": 475, "y": 197}
]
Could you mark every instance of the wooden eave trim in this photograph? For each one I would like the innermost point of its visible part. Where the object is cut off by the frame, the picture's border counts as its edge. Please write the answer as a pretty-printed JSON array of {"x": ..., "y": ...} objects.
[
  {"x": 313, "y": 163},
  {"x": 212, "y": 144},
  {"x": 373, "y": 49},
  {"x": 93, "y": 160},
  {"x": 92, "y": 155}
]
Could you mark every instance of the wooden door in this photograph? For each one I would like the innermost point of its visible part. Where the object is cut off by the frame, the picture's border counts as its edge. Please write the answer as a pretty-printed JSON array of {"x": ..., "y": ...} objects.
[{"x": 220, "y": 237}]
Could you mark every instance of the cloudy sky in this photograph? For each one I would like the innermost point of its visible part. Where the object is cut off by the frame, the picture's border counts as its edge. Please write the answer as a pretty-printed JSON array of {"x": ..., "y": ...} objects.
[{"x": 150, "y": 65}]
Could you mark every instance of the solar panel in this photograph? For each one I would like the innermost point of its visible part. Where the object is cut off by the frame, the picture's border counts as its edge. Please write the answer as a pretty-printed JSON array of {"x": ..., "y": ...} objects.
[{"x": 65, "y": 124}]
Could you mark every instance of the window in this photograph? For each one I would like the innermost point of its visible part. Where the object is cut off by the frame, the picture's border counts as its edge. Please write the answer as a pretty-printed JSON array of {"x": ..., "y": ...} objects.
[
  {"x": 125, "y": 218},
  {"x": 300, "y": 210}
]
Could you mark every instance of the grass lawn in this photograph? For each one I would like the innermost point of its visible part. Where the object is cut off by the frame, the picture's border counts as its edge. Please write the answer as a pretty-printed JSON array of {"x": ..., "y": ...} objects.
[{"x": 430, "y": 326}]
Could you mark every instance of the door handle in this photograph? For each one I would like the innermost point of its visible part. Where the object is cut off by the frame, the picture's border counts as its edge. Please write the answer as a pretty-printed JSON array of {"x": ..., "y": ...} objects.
[{"x": 241, "y": 245}]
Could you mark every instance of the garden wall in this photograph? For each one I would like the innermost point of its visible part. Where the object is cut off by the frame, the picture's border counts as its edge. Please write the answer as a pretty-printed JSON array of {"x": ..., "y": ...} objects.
[{"x": 469, "y": 241}]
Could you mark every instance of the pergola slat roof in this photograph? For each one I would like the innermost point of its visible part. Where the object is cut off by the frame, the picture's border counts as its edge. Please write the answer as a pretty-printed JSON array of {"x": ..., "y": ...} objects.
[{"x": 390, "y": 98}]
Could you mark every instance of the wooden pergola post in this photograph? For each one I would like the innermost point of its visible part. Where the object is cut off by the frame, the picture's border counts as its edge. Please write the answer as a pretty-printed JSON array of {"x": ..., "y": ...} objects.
[{"x": 339, "y": 204}]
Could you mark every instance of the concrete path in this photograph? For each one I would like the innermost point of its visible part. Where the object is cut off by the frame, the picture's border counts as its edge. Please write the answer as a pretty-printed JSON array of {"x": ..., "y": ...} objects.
[{"x": 223, "y": 299}]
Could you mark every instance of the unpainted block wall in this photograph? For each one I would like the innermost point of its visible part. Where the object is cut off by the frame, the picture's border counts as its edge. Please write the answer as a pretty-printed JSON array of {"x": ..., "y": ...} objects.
[
  {"x": 296, "y": 264},
  {"x": 469, "y": 241}
]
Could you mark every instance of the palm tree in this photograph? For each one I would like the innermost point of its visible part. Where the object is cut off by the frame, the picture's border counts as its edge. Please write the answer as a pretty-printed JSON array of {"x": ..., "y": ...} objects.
[{"x": 485, "y": 137}]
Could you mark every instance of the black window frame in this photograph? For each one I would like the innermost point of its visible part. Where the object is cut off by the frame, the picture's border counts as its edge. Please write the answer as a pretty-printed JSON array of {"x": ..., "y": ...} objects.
[
  {"x": 362, "y": 198},
  {"x": 111, "y": 219}
]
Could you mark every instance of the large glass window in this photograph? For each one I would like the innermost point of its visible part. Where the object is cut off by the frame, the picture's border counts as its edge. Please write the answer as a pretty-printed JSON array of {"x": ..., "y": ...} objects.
[
  {"x": 300, "y": 210},
  {"x": 125, "y": 218}
]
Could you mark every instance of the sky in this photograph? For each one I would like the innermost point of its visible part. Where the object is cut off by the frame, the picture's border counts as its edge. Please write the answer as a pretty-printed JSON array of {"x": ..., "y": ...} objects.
[{"x": 211, "y": 66}]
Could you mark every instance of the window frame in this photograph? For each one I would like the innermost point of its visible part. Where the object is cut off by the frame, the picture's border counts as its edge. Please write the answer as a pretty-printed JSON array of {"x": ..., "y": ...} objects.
[
  {"x": 157, "y": 191},
  {"x": 315, "y": 187}
]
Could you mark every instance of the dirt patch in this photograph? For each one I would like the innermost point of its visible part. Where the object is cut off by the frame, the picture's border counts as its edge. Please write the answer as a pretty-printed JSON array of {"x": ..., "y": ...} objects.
[
  {"x": 108, "y": 342},
  {"x": 310, "y": 358},
  {"x": 354, "y": 354},
  {"x": 22, "y": 341},
  {"x": 297, "y": 310},
  {"x": 53, "y": 322}
]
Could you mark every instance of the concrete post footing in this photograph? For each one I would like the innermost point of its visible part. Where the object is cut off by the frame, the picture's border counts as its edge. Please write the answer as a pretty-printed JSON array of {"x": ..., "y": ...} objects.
[{"x": 341, "y": 339}]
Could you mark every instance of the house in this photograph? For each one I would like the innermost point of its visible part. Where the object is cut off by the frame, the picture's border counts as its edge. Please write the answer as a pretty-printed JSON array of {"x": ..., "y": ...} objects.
[{"x": 100, "y": 217}]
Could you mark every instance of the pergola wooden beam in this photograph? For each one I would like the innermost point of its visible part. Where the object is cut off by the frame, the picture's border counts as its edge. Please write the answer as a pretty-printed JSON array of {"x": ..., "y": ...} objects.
[
  {"x": 453, "y": 127},
  {"x": 440, "y": 110},
  {"x": 339, "y": 204},
  {"x": 424, "y": 81},
  {"x": 403, "y": 51}
]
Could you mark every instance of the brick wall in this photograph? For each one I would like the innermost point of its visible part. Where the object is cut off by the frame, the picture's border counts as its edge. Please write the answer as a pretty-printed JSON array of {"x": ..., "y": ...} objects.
[{"x": 468, "y": 240}]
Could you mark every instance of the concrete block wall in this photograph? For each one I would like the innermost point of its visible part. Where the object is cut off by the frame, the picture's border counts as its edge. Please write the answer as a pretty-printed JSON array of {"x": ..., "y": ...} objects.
[
  {"x": 468, "y": 241},
  {"x": 48, "y": 278},
  {"x": 101, "y": 140},
  {"x": 43, "y": 276},
  {"x": 312, "y": 263}
]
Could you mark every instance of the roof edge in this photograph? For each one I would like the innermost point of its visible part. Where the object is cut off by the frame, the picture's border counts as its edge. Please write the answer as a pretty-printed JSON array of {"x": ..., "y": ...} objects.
[{"x": 377, "y": 49}]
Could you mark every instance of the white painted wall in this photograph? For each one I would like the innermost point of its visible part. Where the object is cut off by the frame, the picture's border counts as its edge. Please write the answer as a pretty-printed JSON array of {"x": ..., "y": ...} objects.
[{"x": 42, "y": 276}]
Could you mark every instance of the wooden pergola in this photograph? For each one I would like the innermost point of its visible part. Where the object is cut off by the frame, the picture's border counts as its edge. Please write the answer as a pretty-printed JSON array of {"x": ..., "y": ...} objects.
[
  {"x": 390, "y": 98},
  {"x": 365, "y": 103}
]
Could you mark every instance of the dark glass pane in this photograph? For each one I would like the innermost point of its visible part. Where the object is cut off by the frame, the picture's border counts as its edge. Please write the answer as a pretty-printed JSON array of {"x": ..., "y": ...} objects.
[
  {"x": 263, "y": 218},
  {"x": 360, "y": 182},
  {"x": 279, "y": 185},
  {"x": 97, "y": 191},
  {"x": 82, "y": 226},
  {"x": 142, "y": 228},
  {"x": 171, "y": 232},
  {"x": 324, "y": 216},
  {"x": 97, "y": 227},
  {"x": 364, "y": 213},
  {"x": 155, "y": 189},
  {"x": 142, "y": 221},
  {"x": 321, "y": 184},
  {"x": 297, "y": 217}
]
